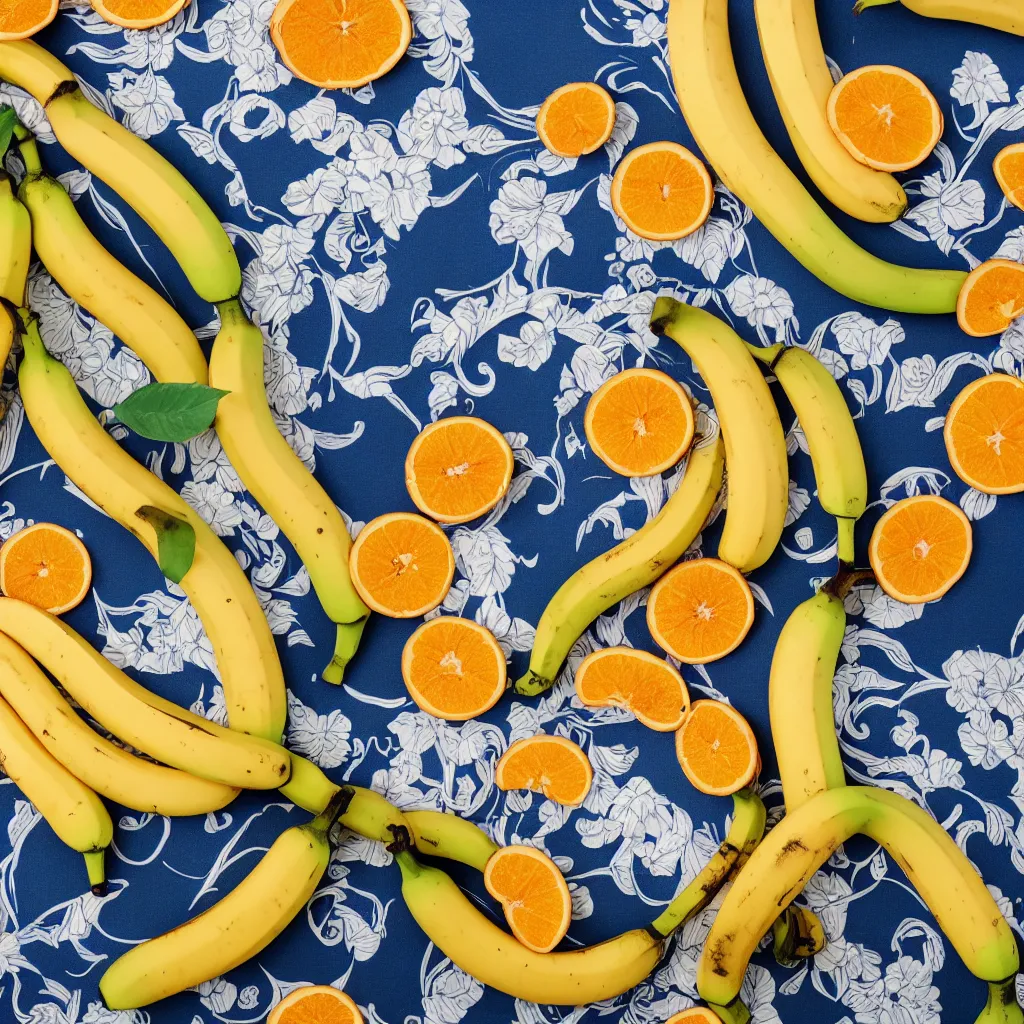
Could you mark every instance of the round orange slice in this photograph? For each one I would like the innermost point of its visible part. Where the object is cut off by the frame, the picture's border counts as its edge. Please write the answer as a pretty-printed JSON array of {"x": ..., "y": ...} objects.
[
  {"x": 47, "y": 566},
  {"x": 1008, "y": 168},
  {"x": 991, "y": 298},
  {"x": 576, "y": 119},
  {"x": 340, "y": 44},
  {"x": 316, "y": 1004},
  {"x": 984, "y": 434},
  {"x": 637, "y": 681},
  {"x": 458, "y": 468},
  {"x": 551, "y": 765},
  {"x": 716, "y": 748},
  {"x": 920, "y": 548},
  {"x": 885, "y": 117},
  {"x": 402, "y": 565},
  {"x": 138, "y": 14},
  {"x": 639, "y": 422},
  {"x": 700, "y": 611},
  {"x": 662, "y": 191},
  {"x": 20, "y": 19},
  {"x": 454, "y": 668},
  {"x": 533, "y": 893},
  {"x": 695, "y": 1015}
]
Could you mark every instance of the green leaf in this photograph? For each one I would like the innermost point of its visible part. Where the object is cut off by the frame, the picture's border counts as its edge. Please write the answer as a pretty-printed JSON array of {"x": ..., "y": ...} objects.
[
  {"x": 175, "y": 538},
  {"x": 8, "y": 119},
  {"x": 170, "y": 412}
]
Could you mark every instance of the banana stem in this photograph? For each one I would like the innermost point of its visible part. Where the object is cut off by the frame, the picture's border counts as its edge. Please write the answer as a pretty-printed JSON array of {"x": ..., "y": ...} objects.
[
  {"x": 532, "y": 685},
  {"x": 735, "y": 1013},
  {"x": 345, "y": 647},
  {"x": 31, "y": 339},
  {"x": 94, "y": 865},
  {"x": 846, "y": 579},
  {"x": 323, "y": 822},
  {"x": 862, "y": 5},
  {"x": 1002, "y": 1006},
  {"x": 847, "y": 549},
  {"x": 30, "y": 156},
  {"x": 769, "y": 356}
]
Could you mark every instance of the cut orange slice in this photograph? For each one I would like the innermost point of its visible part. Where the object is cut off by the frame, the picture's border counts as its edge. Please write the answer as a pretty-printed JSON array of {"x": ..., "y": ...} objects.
[
  {"x": 458, "y": 468},
  {"x": 920, "y": 548},
  {"x": 662, "y": 191},
  {"x": 984, "y": 434},
  {"x": 639, "y": 422},
  {"x": 551, "y": 765},
  {"x": 340, "y": 44},
  {"x": 991, "y": 298},
  {"x": 20, "y": 19},
  {"x": 885, "y": 117},
  {"x": 533, "y": 893},
  {"x": 1008, "y": 167},
  {"x": 700, "y": 611},
  {"x": 402, "y": 565},
  {"x": 716, "y": 748},
  {"x": 695, "y": 1015},
  {"x": 316, "y": 1004},
  {"x": 47, "y": 566},
  {"x": 637, "y": 681},
  {"x": 454, "y": 668},
  {"x": 138, "y": 14},
  {"x": 576, "y": 119}
]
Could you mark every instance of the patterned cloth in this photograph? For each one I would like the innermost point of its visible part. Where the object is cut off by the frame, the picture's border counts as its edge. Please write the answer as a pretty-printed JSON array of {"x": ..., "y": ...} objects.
[{"x": 411, "y": 251}]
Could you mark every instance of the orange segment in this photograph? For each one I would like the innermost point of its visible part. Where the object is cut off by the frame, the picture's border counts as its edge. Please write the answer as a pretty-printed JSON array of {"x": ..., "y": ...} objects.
[
  {"x": 1008, "y": 167},
  {"x": 700, "y": 611},
  {"x": 340, "y": 44},
  {"x": 551, "y": 765},
  {"x": 991, "y": 298},
  {"x": 316, "y": 1004},
  {"x": 885, "y": 117},
  {"x": 639, "y": 422},
  {"x": 716, "y": 748},
  {"x": 402, "y": 565},
  {"x": 662, "y": 191},
  {"x": 695, "y": 1015},
  {"x": 637, "y": 681},
  {"x": 984, "y": 434},
  {"x": 458, "y": 468},
  {"x": 533, "y": 892},
  {"x": 138, "y": 13},
  {"x": 453, "y": 668},
  {"x": 20, "y": 19},
  {"x": 576, "y": 119},
  {"x": 47, "y": 566},
  {"x": 920, "y": 548}
]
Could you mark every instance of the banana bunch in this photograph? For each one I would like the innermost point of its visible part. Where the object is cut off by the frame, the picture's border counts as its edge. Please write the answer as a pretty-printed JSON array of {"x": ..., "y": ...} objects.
[
  {"x": 15, "y": 255},
  {"x": 1006, "y": 15}
]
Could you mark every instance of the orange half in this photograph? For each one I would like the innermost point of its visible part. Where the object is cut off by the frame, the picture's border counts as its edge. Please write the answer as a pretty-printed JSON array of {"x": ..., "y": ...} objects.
[
  {"x": 1008, "y": 168},
  {"x": 316, "y": 1004},
  {"x": 991, "y": 298},
  {"x": 138, "y": 14},
  {"x": 47, "y": 566},
  {"x": 716, "y": 748},
  {"x": 576, "y": 119},
  {"x": 20, "y": 19},
  {"x": 695, "y": 1015},
  {"x": 551, "y": 765}
]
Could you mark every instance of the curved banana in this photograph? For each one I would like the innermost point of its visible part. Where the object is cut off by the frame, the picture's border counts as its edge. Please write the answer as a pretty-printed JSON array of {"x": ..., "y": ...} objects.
[
  {"x": 149, "y": 723},
  {"x": 147, "y": 324},
  {"x": 247, "y": 658},
  {"x": 157, "y": 192},
  {"x": 70, "y": 807},
  {"x": 8, "y": 332},
  {"x": 637, "y": 562},
  {"x": 235, "y": 928},
  {"x": 279, "y": 481},
  {"x": 755, "y": 445},
  {"x": 587, "y": 975},
  {"x": 441, "y": 834},
  {"x": 802, "y": 82},
  {"x": 805, "y": 838},
  {"x": 102, "y": 766},
  {"x": 720, "y": 121},
  {"x": 1005, "y": 15},
  {"x": 15, "y": 255},
  {"x": 836, "y": 454}
]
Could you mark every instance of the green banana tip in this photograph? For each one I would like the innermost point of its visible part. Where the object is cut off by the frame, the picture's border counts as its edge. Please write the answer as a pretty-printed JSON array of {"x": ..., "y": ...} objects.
[{"x": 530, "y": 684}]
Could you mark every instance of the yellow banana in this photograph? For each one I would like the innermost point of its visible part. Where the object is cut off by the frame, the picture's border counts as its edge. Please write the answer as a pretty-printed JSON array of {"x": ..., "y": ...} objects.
[
  {"x": 70, "y": 807},
  {"x": 8, "y": 332},
  {"x": 102, "y": 766},
  {"x": 637, "y": 562},
  {"x": 235, "y": 928},
  {"x": 247, "y": 658},
  {"x": 157, "y": 192},
  {"x": 1006, "y": 15},
  {"x": 147, "y": 324},
  {"x": 755, "y": 445},
  {"x": 440, "y": 834},
  {"x": 801, "y": 81},
  {"x": 723, "y": 126},
  {"x": 279, "y": 481},
  {"x": 15, "y": 244}
]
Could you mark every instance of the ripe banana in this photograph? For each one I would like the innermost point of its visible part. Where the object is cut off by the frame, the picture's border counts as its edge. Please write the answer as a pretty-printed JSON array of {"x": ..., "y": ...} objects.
[
  {"x": 147, "y": 324},
  {"x": 801, "y": 81},
  {"x": 604, "y": 971},
  {"x": 441, "y": 834},
  {"x": 723, "y": 126},
  {"x": 839, "y": 470},
  {"x": 755, "y": 446},
  {"x": 149, "y": 723},
  {"x": 215, "y": 584},
  {"x": 158, "y": 193},
  {"x": 637, "y": 562},
  {"x": 102, "y": 766},
  {"x": 15, "y": 244},
  {"x": 234, "y": 929},
  {"x": 1005, "y": 15},
  {"x": 805, "y": 838},
  {"x": 279, "y": 481},
  {"x": 8, "y": 332},
  {"x": 72, "y": 809}
]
